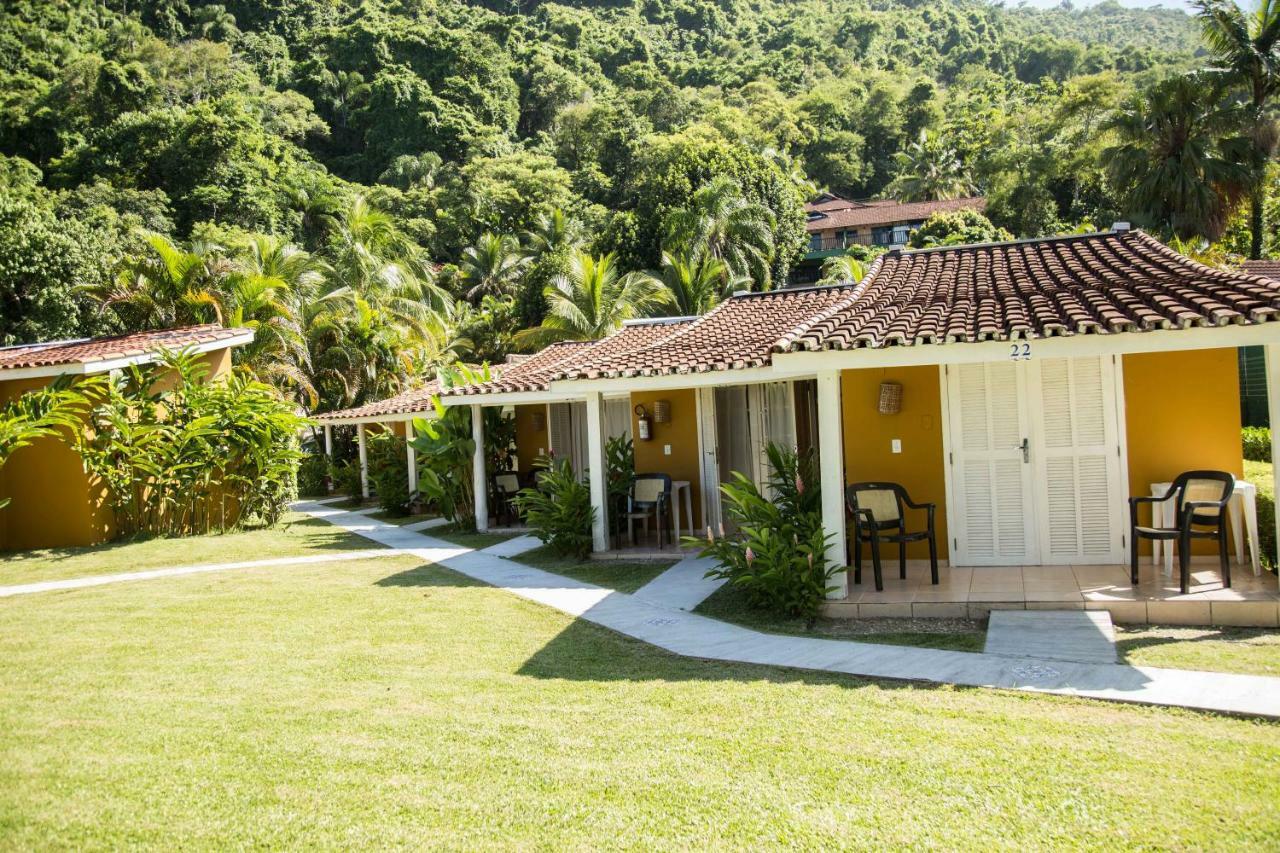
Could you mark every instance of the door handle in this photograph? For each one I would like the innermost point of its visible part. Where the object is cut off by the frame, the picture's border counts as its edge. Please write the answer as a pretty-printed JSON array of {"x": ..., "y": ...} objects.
[{"x": 1026, "y": 450}]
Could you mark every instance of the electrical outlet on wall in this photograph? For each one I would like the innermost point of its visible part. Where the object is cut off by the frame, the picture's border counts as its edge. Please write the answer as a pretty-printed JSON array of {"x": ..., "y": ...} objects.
[
  {"x": 896, "y": 445},
  {"x": 666, "y": 450}
]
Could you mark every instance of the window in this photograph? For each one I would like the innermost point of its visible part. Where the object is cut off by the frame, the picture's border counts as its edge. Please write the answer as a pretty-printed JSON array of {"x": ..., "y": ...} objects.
[{"x": 815, "y": 242}]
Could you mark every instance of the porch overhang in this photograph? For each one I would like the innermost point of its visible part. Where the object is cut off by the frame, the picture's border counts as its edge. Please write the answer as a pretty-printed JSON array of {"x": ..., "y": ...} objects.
[{"x": 672, "y": 381}]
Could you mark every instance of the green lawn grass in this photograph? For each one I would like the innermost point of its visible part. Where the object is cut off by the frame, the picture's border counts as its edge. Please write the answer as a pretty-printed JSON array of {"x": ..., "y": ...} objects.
[
  {"x": 1252, "y": 651},
  {"x": 384, "y": 703},
  {"x": 621, "y": 575},
  {"x": 296, "y": 535}
]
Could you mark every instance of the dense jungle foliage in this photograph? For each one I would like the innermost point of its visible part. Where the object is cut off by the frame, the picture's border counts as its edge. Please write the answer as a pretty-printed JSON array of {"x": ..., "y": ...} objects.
[{"x": 383, "y": 187}]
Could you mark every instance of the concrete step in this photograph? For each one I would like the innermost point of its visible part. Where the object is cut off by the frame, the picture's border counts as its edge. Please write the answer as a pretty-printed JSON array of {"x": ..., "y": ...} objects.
[{"x": 1085, "y": 636}]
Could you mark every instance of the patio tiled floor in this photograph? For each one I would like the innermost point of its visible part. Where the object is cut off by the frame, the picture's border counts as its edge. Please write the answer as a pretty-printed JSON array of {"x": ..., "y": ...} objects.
[{"x": 973, "y": 592}]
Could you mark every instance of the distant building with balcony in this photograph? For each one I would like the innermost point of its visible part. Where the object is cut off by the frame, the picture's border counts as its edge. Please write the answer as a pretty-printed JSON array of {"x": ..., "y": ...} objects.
[{"x": 834, "y": 224}]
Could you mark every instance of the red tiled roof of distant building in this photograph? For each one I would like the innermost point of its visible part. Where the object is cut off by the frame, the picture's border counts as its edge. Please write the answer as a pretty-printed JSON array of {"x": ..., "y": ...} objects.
[
  {"x": 888, "y": 212},
  {"x": 94, "y": 350},
  {"x": 414, "y": 401},
  {"x": 739, "y": 333},
  {"x": 1088, "y": 284},
  {"x": 1264, "y": 268}
]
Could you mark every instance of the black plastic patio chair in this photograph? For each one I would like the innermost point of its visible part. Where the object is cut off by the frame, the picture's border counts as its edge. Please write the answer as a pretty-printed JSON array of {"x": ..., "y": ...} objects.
[
  {"x": 504, "y": 487},
  {"x": 1201, "y": 500},
  {"x": 878, "y": 511},
  {"x": 650, "y": 497}
]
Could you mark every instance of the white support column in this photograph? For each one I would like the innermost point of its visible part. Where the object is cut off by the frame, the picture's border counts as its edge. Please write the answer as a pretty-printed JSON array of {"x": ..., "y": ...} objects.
[
  {"x": 413, "y": 457},
  {"x": 364, "y": 462},
  {"x": 831, "y": 464},
  {"x": 599, "y": 472},
  {"x": 478, "y": 479},
  {"x": 328, "y": 454},
  {"x": 1273, "y": 411}
]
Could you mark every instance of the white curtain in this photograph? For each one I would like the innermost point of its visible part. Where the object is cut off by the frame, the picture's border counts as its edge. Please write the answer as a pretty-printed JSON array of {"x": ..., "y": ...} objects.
[
  {"x": 734, "y": 443},
  {"x": 779, "y": 415},
  {"x": 617, "y": 417}
]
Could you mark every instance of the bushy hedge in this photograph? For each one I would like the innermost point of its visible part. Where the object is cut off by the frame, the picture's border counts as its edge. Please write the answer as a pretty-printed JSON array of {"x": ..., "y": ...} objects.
[
  {"x": 1257, "y": 443},
  {"x": 559, "y": 511},
  {"x": 313, "y": 474},
  {"x": 389, "y": 472}
]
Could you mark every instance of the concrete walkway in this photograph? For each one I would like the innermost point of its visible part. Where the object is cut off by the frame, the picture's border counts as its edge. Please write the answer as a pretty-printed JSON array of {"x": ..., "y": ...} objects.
[
  {"x": 176, "y": 571},
  {"x": 696, "y": 636},
  {"x": 683, "y": 586}
]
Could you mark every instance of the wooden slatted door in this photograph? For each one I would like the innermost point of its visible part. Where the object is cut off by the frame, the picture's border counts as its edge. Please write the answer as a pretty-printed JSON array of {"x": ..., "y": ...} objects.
[
  {"x": 993, "y": 493},
  {"x": 1076, "y": 450}
]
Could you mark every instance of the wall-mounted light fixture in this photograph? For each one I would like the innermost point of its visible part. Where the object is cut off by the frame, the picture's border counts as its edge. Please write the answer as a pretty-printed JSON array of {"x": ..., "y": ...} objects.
[
  {"x": 662, "y": 411},
  {"x": 890, "y": 398}
]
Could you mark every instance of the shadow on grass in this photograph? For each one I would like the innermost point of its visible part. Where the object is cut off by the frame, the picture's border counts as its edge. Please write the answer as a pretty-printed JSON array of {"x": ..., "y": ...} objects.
[
  {"x": 428, "y": 575},
  {"x": 588, "y": 652},
  {"x": 1129, "y": 639}
]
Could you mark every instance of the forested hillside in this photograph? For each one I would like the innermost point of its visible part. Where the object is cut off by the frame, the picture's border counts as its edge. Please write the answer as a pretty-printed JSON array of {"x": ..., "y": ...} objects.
[{"x": 413, "y": 175}]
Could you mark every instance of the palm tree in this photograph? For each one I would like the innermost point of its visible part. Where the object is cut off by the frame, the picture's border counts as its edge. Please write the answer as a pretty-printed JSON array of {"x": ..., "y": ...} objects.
[
  {"x": 1177, "y": 159},
  {"x": 551, "y": 232},
  {"x": 1245, "y": 49},
  {"x": 493, "y": 266},
  {"x": 842, "y": 268},
  {"x": 215, "y": 23},
  {"x": 722, "y": 223},
  {"x": 695, "y": 282},
  {"x": 272, "y": 282},
  {"x": 169, "y": 286},
  {"x": 592, "y": 300},
  {"x": 317, "y": 212},
  {"x": 929, "y": 170},
  {"x": 344, "y": 91}
]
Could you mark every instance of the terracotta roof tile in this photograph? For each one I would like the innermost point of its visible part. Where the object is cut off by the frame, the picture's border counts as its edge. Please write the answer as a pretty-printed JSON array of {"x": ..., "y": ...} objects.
[
  {"x": 537, "y": 373},
  {"x": 739, "y": 333},
  {"x": 404, "y": 403},
  {"x": 120, "y": 346},
  {"x": 887, "y": 212},
  {"x": 1088, "y": 284}
]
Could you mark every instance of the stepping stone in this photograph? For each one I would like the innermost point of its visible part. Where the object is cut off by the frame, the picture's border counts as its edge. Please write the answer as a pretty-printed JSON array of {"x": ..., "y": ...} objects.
[{"x": 1085, "y": 636}]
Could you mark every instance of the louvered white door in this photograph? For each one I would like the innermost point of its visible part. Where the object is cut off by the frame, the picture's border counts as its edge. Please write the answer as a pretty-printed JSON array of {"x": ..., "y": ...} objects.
[
  {"x": 1076, "y": 450},
  {"x": 993, "y": 522}
]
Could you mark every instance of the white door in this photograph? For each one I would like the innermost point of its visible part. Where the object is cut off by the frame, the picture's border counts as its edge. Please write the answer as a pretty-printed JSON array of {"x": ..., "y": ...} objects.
[
  {"x": 993, "y": 523},
  {"x": 1077, "y": 453},
  {"x": 1036, "y": 475}
]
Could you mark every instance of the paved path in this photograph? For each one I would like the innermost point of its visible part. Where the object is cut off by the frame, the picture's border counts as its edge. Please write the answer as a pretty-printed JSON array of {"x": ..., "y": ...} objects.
[
  {"x": 426, "y": 525},
  {"x": 99, "y": 580},
  {"x": 698, "y": 636},
  {"x": 683, "y": 586},
  {"x": 1086, "y": 636},
  {"x": 513, "y": 547}
]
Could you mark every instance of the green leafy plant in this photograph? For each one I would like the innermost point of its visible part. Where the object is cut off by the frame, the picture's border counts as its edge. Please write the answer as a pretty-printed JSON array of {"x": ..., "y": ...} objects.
[
  {"x": 1257, "y": 443},
  {"x": 389, "y": 472},
  {"x": 620, "y": 463},
  {"x": 559, "y": 511},
  {"x": 777, "y": 555},
  {"x": 180, "y": 455},
  {"x": 346, "y": 478},
  {"x": 313, "y": 475}
]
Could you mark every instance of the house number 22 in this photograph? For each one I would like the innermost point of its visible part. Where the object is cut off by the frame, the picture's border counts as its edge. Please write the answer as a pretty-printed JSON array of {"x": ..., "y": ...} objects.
[{"x": 1020, "y": 352}]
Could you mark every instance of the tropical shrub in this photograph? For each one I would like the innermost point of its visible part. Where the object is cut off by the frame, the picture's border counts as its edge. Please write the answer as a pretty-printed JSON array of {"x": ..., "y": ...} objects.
[
  {"x": 777, "y": 554},
  {"x": 620, "y": 459},
  {"x": 179, "y": 455},
  {"x": 1257, "y": 443},
  {"x": 445, "y": 451},
  {"x": 559, "y": 511},
  {"x": 313, "y": 475},
  {"x": 346, "y": 478},
  {"x": 389, "y": 472}
]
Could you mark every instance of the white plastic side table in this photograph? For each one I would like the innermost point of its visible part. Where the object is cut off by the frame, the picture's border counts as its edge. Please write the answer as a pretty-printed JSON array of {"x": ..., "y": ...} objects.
[{"x": 1243, "y": 506}]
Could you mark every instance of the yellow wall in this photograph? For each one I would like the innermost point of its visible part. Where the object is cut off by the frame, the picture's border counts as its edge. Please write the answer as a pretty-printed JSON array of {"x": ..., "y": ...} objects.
[
  {"x": 530, "y": 441},
  {"x": 52, "y": 502},
  {"x": 1182, "y": 412},
  {"x": 868, "y": 437},
  {"x": 681, "y": 433}
]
